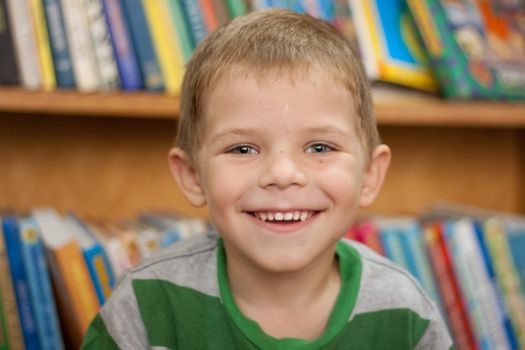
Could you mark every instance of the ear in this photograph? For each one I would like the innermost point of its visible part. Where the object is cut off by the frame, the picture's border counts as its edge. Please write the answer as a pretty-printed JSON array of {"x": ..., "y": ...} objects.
[
  {"x": 187, "y": 177},
  {"x": 374, "y": 175}
]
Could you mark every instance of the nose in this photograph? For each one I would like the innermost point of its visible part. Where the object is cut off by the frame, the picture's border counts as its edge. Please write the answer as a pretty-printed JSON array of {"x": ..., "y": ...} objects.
[{"x": 281, "y": 171}]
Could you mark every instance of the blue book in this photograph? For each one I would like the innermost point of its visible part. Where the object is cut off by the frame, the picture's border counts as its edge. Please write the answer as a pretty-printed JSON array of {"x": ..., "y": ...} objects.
[
  {"x": 97, "y": 260},
  {"x": 128, "y": 66},
  {"x": 143, "y": 45},
  {"x": 516, "y": 238},
  {"x": 391, "y": 239},
  {"x": 62, "y": 62},
  {"x": 15, "y": 255},
  {"x": 195, "y": 20},
  {"x": 40, "y": 285},
  {"x": 505, "y": 318}
]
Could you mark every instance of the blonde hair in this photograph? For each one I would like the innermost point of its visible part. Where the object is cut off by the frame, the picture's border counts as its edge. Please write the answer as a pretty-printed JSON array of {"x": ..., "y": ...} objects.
[{"x": 271, "y": 41}]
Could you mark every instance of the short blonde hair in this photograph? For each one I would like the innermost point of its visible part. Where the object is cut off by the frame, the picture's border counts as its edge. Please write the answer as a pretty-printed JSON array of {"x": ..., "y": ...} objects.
[{"x": 271, "y": 41}]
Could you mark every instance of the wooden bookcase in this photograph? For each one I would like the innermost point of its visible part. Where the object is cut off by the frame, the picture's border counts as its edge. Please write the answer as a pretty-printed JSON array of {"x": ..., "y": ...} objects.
[{"x": 106, "y": 154}]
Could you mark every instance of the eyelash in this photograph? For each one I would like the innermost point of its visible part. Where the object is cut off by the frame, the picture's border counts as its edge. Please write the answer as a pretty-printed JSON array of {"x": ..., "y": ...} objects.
[
  {"x": 247, "y": 149},
  {"x": 313, "y": 147},
  {"x": 239, "y": 150}
]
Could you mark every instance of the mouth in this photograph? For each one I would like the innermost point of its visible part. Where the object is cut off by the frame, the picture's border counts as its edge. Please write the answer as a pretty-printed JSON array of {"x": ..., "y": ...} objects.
[{"x": 286, "y": 217}]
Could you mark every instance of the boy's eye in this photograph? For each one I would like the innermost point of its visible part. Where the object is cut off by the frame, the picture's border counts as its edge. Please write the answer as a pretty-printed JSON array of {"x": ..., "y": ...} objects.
[
  {"x": 243, "y": 149},
  {"x": 318, "y": 148}
]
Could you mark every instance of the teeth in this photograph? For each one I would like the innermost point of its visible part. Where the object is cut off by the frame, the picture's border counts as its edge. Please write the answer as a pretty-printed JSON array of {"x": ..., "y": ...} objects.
[{"x": 289, "y": 216}]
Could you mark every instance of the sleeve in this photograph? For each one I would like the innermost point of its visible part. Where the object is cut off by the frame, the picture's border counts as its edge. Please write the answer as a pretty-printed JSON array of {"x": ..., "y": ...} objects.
[
  {"x": 119, "y": 324},
  {"x": 436, "y": 335}
]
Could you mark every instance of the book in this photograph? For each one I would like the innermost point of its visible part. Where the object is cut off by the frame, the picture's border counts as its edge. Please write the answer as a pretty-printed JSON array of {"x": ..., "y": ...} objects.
[
  {"x": 166, "y": 44},
  {"x": 389, "y": 46},
  {"x": 236, "y": 8},
  {"x": 62, "y": 63},
  {"x": 208, "y": 14},
  {"x": 75, "y": 294},
  {"x": 515, "y": 229},
  {"x": 12, "y": 330},
  {"x": 126, "y": 58},
  {"x": 187, "y": 44},
  {"x": 195, "y": 20},
  {"x": 15, "y": 255},
  {"x": 80, "y": 44},
  {"x": 8, "y": 66},
  {"x": 102, "y": 45},
  {"x": 367, "y": 232},
  {"x": 453, "y": 303},
  {"x": 24, "y": 40},
  {"x": 41, "y": 294},
  {"x": 95, "y": 256},
  {"x": 476, "y": 47},
  {"x": 143, "y": 45},
  {"x": 474, "y": 282},
  {"x": 43, "y": 47},
  {"x": 221, "y": 11},
  {"x": 506, "y": 277}
]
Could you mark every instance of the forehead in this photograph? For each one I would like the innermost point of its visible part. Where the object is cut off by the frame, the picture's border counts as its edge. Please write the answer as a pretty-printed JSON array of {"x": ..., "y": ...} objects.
[{"x": 285, "y": 100}]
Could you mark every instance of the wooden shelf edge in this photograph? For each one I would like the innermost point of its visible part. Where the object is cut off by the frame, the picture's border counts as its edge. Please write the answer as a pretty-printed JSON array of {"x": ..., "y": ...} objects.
[
  {"x": 110, "y": 104},
  {"x": 392, "y": 107}
]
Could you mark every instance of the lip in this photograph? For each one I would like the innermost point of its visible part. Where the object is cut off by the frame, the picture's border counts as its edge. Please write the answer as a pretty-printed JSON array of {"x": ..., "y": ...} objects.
[{"x": 281, "y": 227}]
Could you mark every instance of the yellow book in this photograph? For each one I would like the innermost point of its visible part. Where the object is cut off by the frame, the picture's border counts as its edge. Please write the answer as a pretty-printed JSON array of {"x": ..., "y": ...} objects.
[
  {"x": 166, "y": 43},
  {"x": 43, "y": 46}
]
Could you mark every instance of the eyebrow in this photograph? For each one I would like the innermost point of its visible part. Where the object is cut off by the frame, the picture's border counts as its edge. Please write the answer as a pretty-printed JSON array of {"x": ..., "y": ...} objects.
[{"x": 233, "y": 131}]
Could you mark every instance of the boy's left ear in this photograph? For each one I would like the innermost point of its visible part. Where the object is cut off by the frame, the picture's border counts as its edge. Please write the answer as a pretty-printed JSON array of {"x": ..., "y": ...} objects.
[
  {"x": 187, "y": 177},
  {"x": 374, "y": 175}
]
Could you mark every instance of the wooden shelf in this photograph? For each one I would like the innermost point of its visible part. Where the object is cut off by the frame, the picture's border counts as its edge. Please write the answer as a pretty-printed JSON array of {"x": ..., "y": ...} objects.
[{"x": 392, "y": 107}]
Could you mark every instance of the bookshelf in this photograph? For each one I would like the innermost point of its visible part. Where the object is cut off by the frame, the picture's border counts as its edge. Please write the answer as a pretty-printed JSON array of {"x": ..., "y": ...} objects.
[{"x": 106, "y": 154}]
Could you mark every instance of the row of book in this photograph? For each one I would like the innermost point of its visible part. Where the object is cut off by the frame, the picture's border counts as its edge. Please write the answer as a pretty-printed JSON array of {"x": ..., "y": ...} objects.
[
  {"x": 56, "y": 271},
  {"x": 460, "y": 49},
  {"x": 471, "y": 264}
]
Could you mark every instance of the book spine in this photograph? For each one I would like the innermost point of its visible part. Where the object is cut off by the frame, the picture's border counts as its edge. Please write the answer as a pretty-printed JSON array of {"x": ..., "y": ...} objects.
[
  {"x": 195, "y": 20},
  {"x": 100, "y": 272},
  {"x": 392, "y": 244},
  {"x": 25, "y": 45},
  {"x": 221, "y": 12},
  {"x": 80, "y": 45},
  {"x": 26, "y": 313},
  {"x": 8, "y": 66},
  {"x": 182, "y": 30},
  {"x": 120, "y": 37},
  {"x": 453, "y": 303},
  {"x": 236, "y": 8},
  {"x": 15, "y": 340},
  {"x": 143, "y": 45},
  {"x": 103, "y": 49},
  {"x": 59, "y": 46},
  {"x": 42, "y": 45},
  {"x": 208, "y": 14},
  {"x": 40, "y": 286}
]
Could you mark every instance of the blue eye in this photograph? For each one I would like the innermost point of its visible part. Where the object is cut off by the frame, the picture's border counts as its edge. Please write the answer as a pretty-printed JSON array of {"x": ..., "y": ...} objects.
[
  {"x": 318, "y": 148},
  {"x": 243, "y": 149}
]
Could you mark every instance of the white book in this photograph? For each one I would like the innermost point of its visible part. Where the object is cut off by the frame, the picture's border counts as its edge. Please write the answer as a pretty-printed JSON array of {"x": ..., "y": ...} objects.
[
  {"x": 22, "y": 27},
  {"x": 80, "y": 45},
  {"x": 359, "y": 15},
  {"x": 99, "y": 30}
]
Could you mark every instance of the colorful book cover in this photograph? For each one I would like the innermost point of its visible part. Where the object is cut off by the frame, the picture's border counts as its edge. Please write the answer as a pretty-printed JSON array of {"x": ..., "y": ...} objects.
[
  {"x": 453, "y": 303},
  {"x": 81, "y": 49},
  {"x": 236, "y": 8},
  {"x": 182, "y": 30},
  {"x": 143, "y": 45},
  {"x": 208, "y": 14},
  {"x": 12, "y": 331},
  {"x": 8, "y": 66},
  {"x": 15, "y": 255},
  {"x": 391, "y": 241},
  {"x": 43, "y": 46},
  {"x": 476, "y": 46},
  {"x": 195, "y": 20},
  {"x": 368, "y": 233},
  {"x": 166, "y": 44},
  {"x": 95, "y": 256},
  {"x": 102, "y": 45},
  {"x": 475, "y": 285},
  {"x": 506, "y": 276},
  {"x": 128, "y": 66},
  {"x": 390, "y": 48},
  {"x": 62, "y": 63},
  {"x": 75, "y": 294},
  {"x": 22, "y": 28},
  {"x": 41, "y": 294}
]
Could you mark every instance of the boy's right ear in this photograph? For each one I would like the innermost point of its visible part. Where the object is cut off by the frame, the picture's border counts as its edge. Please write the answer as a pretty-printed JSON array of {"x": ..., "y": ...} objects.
[{"x": 187, "y": 177}]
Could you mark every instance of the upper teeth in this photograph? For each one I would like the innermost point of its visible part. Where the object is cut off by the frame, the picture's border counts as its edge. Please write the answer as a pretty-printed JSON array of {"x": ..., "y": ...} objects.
[{"x": 288, "y": 216}]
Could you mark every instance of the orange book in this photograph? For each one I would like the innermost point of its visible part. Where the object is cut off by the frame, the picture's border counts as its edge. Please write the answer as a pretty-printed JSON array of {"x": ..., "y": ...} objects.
[
  {"x": 76, "y": 297},
  {"x": 208, "y": 13}
]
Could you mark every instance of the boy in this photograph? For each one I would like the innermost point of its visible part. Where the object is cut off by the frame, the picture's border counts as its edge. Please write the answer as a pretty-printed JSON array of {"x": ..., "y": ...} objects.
[{"x": 276, "y": 136}]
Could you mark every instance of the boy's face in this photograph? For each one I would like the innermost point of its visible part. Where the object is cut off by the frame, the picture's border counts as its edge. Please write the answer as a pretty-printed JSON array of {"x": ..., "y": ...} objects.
[{"x": 281, "y": 168}]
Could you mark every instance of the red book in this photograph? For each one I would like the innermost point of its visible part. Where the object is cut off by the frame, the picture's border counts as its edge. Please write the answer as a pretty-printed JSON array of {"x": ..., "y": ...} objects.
[{"x": 448, "y": 288}]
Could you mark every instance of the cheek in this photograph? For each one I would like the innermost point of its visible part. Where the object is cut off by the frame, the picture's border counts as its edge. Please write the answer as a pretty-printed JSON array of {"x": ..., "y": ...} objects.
[
  {"x": 341, "y": 183},
  {"x": 225, "y": 184}
]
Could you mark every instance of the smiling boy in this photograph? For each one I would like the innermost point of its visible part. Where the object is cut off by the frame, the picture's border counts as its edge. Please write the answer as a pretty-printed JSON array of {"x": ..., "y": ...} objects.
[{"x": 277, "y": 137}]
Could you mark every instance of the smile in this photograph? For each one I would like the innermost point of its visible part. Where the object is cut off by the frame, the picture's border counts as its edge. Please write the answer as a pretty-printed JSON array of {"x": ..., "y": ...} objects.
[{"x": 291, "y": 216}]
